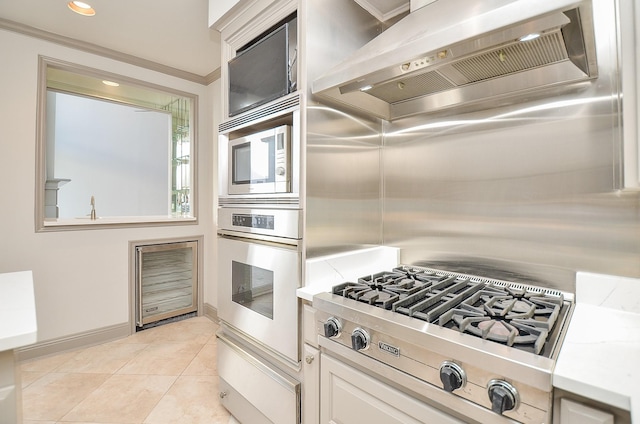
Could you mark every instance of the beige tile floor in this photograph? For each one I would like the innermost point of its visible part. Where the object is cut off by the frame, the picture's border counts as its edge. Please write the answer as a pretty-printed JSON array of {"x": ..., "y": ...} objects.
[{"x": 165, "y": 374}]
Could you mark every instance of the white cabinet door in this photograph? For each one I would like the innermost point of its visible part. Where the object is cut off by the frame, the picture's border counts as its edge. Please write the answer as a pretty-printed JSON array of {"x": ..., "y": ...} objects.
[
  {"x": 311, "y": 385},
  {"x": 577, "y": 413},
  {"x": 349, "y": 396},
  {"x": 9, "y": 390}
]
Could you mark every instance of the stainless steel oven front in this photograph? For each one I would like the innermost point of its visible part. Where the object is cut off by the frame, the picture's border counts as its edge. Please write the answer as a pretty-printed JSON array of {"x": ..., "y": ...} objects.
[
  {"x": 259, "y": 156},
  {"x": 257, "y": 292},
  {"x": 261, "y": 162}
]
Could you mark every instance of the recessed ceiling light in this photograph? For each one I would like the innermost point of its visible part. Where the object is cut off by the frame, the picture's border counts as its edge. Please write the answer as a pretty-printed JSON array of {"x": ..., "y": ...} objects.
[
  {"x": 81, "y": 8},
  {"x": 110, "y": 83}
]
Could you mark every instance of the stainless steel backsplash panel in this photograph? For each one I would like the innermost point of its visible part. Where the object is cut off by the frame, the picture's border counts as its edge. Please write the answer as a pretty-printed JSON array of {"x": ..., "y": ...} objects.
[{"x": 526, "y": 190}]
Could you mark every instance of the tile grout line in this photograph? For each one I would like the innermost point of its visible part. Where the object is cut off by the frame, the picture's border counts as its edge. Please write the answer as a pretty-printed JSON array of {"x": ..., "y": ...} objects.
[{"x": 163, "y": 337}]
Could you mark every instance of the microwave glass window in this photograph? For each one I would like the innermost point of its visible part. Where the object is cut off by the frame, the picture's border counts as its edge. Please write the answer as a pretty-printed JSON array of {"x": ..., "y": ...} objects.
[
  {"x": 254, "y": 162},
  {"x": 242, "y": 163},
  {"x": 252, "y": 287}
]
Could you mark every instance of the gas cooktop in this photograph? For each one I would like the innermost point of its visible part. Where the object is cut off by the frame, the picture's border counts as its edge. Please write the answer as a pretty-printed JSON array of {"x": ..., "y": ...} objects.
[
  {"x": 491, "y": 343},
  {"x": 519, "y": 316}
]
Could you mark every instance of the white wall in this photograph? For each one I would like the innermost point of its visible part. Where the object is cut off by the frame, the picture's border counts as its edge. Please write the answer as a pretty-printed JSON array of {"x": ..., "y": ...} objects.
[{"x": 81, "y": 277}]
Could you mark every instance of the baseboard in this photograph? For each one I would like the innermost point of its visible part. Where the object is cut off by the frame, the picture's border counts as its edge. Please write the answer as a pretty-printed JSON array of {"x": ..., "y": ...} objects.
[
  {"x": 210, "y": 312},
  {"x": 88, "y": 338},
  {"x": 75, "y": 341}
]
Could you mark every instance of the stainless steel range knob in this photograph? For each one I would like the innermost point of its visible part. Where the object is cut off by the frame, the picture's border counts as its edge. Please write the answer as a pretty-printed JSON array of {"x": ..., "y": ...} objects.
[
  {"x": 332, "y": 328},
  {"x": 503, "y": 396},
  {"x": 452, "y": 376},
  {"x": 360, "y": 339}
]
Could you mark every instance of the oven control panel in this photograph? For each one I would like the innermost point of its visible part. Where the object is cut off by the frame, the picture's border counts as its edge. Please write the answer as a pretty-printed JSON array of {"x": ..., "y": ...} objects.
[
  {"x": 281, "y": 223},
  {"x": 252, "y": 221}
]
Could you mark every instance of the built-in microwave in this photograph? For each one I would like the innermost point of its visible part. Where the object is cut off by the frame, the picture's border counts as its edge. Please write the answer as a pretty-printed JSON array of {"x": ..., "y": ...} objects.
[
  {"x": 260, "y": 162},
  {"x": 265, "y": 69}
]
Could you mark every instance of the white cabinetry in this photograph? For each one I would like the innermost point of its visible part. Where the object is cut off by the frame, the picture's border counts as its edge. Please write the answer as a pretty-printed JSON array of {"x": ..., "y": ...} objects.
[
  {"x": 9, "y": 386},
  {"x": 18, "y": 328},
  {"x": 311, "y": 385},
  {"x": 577, "y": 413},
  {"x": 349, "y": 396},
  {"x": 311, "y": 367}
]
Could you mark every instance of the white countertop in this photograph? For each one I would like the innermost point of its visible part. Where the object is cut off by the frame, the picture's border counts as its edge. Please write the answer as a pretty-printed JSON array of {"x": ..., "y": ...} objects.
[
  {"x": 324, "y": 272},
  {"x": 18, "y": 325},
  {"x": 600, "y": 356}
]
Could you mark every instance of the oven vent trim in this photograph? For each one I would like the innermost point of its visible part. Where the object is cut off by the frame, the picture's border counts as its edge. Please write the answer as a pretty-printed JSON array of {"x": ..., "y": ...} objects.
[
  {"x": 476, "y": 279},
  {"x": 270, "y": 110},
  {"x": 224, "y": 201}
]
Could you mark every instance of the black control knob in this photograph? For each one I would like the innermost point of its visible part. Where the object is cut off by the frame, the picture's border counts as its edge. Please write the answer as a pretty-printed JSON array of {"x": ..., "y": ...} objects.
[
  {"x": 452, "y": 376},
  {"x": 359, "y": 339},
  {"x": 332, "y": 328},
  {"x": 503, "y": 396}
]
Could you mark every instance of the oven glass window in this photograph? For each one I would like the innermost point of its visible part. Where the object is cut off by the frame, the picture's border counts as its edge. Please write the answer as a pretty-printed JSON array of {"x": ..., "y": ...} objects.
[
  {"x": 252, "y": 287},
  {"x": 254, "y": 162}
]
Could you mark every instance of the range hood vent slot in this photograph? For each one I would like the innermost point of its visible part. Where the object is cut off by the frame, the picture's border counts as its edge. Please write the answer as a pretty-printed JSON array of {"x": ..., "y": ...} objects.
[
  {"x": 514, "y": 58},
  {"x": 426, "y": 83},
  {"x": 485, "y": 66}
]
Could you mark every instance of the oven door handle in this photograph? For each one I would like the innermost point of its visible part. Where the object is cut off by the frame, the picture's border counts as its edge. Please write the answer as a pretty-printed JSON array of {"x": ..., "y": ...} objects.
[{"x": 280, "y": 242}]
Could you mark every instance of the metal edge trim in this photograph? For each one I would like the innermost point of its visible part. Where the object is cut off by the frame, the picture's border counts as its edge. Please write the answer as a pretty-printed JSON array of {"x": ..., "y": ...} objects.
[{"x": 268, "y": 111}]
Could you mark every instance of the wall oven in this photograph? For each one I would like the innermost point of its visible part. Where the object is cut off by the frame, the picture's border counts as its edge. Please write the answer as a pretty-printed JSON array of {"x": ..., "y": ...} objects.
[
  {"x": 257, "y": 292},
  {"x": 259, "y": 265}
]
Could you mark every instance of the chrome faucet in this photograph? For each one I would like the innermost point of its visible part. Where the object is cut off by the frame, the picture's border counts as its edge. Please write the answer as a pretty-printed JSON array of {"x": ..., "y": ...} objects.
[{"x": 93, "y": 208}]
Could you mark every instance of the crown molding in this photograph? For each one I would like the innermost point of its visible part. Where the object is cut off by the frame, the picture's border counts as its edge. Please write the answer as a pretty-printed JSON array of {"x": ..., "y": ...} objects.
[{"x": 106, "y": 52}]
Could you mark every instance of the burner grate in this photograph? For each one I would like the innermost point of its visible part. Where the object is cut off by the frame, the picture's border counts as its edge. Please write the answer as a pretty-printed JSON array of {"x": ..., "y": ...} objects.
[{"x": 516, "y": 315}]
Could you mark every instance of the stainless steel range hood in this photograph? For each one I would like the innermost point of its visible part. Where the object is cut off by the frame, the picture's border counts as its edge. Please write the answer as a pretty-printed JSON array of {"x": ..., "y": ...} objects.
[{"x": 461, "y": 52}]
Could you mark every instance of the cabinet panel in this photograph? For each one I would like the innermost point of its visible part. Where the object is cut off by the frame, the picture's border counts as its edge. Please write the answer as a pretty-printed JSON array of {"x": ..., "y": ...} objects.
[
  {"x": 349, "y": 396},
  {"x": 577, "y": 413},
  {"x": 311, "y": 386},
  {"x": 9, "y": 390},
  {"x": 252, "y": 384}
]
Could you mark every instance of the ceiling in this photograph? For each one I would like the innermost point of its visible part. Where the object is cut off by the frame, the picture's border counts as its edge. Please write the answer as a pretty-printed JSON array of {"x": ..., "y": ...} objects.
[{"x": 173, "y": 33}]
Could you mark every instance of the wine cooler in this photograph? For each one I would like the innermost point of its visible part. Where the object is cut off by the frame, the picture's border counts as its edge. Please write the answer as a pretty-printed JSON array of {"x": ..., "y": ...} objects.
[{"x": 166, "y": 281}]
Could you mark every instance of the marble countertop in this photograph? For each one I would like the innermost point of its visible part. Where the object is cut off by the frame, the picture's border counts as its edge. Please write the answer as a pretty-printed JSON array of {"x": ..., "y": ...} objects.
[
  {"x": 600, "y": 356},
  {"x": 18, "y": 326},
  {"x": 324, "y": 272}
]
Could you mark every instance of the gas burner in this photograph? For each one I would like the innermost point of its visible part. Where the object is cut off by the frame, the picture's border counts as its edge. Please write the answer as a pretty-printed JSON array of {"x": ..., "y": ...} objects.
[
  {"x": 384, "y": 288},
  {"x": 514, "y": 315},
  {"x": 507, "y": 315}
]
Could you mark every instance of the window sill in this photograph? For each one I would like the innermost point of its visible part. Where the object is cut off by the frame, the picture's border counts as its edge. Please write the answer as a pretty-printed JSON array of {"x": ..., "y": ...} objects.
[{"x": 82, "y": 223}]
